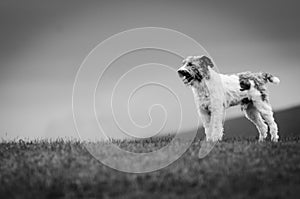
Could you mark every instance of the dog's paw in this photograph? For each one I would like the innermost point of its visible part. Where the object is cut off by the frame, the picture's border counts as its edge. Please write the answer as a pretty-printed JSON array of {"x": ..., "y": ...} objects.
[
  {"x": 262, "y": 137},
  {"x": 214, "y": 139},
  {"x": 274, "y": 138}
]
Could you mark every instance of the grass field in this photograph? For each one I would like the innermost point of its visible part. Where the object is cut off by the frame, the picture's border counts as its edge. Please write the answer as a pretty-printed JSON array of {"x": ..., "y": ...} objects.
[{"x": 234, "y": 169}]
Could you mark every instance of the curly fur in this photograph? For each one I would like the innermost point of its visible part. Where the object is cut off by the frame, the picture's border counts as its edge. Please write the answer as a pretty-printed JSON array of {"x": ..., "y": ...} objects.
[{"x": 214, "y": 92}]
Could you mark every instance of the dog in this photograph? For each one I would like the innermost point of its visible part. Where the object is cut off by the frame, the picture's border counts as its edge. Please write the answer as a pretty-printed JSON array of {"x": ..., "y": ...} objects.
[{"x": 215, "y": 92}]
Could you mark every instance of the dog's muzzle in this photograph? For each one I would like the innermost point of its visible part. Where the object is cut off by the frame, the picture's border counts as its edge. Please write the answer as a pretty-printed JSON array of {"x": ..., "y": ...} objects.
[{"x": 185, "y": 76}]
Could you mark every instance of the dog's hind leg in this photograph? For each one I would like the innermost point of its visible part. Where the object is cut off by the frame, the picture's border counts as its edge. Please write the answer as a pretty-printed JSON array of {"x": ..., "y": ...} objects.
[
  {"x": 266, "y": 112},
  {"x": 254, "y": 116}
]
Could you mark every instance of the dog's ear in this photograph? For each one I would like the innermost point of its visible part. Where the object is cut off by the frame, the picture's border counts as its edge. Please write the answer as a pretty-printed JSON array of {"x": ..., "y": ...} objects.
[
  {"x": 207, "y": 61},
  {"x": 203, "y": 67}
]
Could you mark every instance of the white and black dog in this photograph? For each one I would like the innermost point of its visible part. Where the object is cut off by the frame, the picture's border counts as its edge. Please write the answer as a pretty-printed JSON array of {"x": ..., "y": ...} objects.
[{"x": 214, "y": 92}]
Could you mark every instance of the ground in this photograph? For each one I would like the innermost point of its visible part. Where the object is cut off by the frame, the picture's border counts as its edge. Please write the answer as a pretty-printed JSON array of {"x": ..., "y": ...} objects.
[{"x": 240, "y": 168}]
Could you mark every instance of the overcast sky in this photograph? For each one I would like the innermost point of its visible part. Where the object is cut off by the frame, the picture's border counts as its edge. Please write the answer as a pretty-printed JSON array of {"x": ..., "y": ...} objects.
[{"x": 43, "y": 44}]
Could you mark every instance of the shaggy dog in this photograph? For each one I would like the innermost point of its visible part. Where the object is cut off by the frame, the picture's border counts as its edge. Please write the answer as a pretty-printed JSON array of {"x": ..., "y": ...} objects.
[{"x": 214, "y": 92}]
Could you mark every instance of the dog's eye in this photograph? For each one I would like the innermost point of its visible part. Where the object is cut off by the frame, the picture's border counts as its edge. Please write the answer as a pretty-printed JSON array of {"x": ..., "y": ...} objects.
[{"x": 189, "y": 64}]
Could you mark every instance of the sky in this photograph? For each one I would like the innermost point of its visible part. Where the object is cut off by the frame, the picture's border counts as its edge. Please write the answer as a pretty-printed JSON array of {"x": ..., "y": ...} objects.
[{"x": 44, "y": 42}]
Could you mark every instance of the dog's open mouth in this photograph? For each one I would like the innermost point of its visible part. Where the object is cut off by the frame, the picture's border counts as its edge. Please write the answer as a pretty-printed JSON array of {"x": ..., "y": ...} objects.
[{"x": 185, "y": 76}]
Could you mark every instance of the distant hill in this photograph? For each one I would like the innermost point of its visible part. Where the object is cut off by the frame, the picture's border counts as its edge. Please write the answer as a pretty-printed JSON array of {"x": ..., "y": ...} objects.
[{"x": 288, "y": 122}]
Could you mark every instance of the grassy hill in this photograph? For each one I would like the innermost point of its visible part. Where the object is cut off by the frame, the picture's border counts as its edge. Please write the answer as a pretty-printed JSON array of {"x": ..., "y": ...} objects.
[{"x": 235, "y": 168}]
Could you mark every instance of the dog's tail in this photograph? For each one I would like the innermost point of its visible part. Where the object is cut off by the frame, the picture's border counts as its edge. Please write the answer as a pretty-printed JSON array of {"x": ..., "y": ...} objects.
[{"x": 271, "y": 78}]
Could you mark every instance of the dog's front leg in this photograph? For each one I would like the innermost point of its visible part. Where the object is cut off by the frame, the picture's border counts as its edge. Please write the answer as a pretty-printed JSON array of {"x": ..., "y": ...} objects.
[
  {"x": 217, "y": 105},
  {"x": 216, "y": 122},
  {"x": 205, "y": 117}
]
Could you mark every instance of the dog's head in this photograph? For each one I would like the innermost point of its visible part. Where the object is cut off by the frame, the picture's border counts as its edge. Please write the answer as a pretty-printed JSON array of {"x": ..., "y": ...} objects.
[{"x": 195, "y": 68}]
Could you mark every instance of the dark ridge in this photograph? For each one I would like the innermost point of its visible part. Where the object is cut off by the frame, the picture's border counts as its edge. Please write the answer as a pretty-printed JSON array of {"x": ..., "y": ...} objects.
[{"x": 288, "y": 123}]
